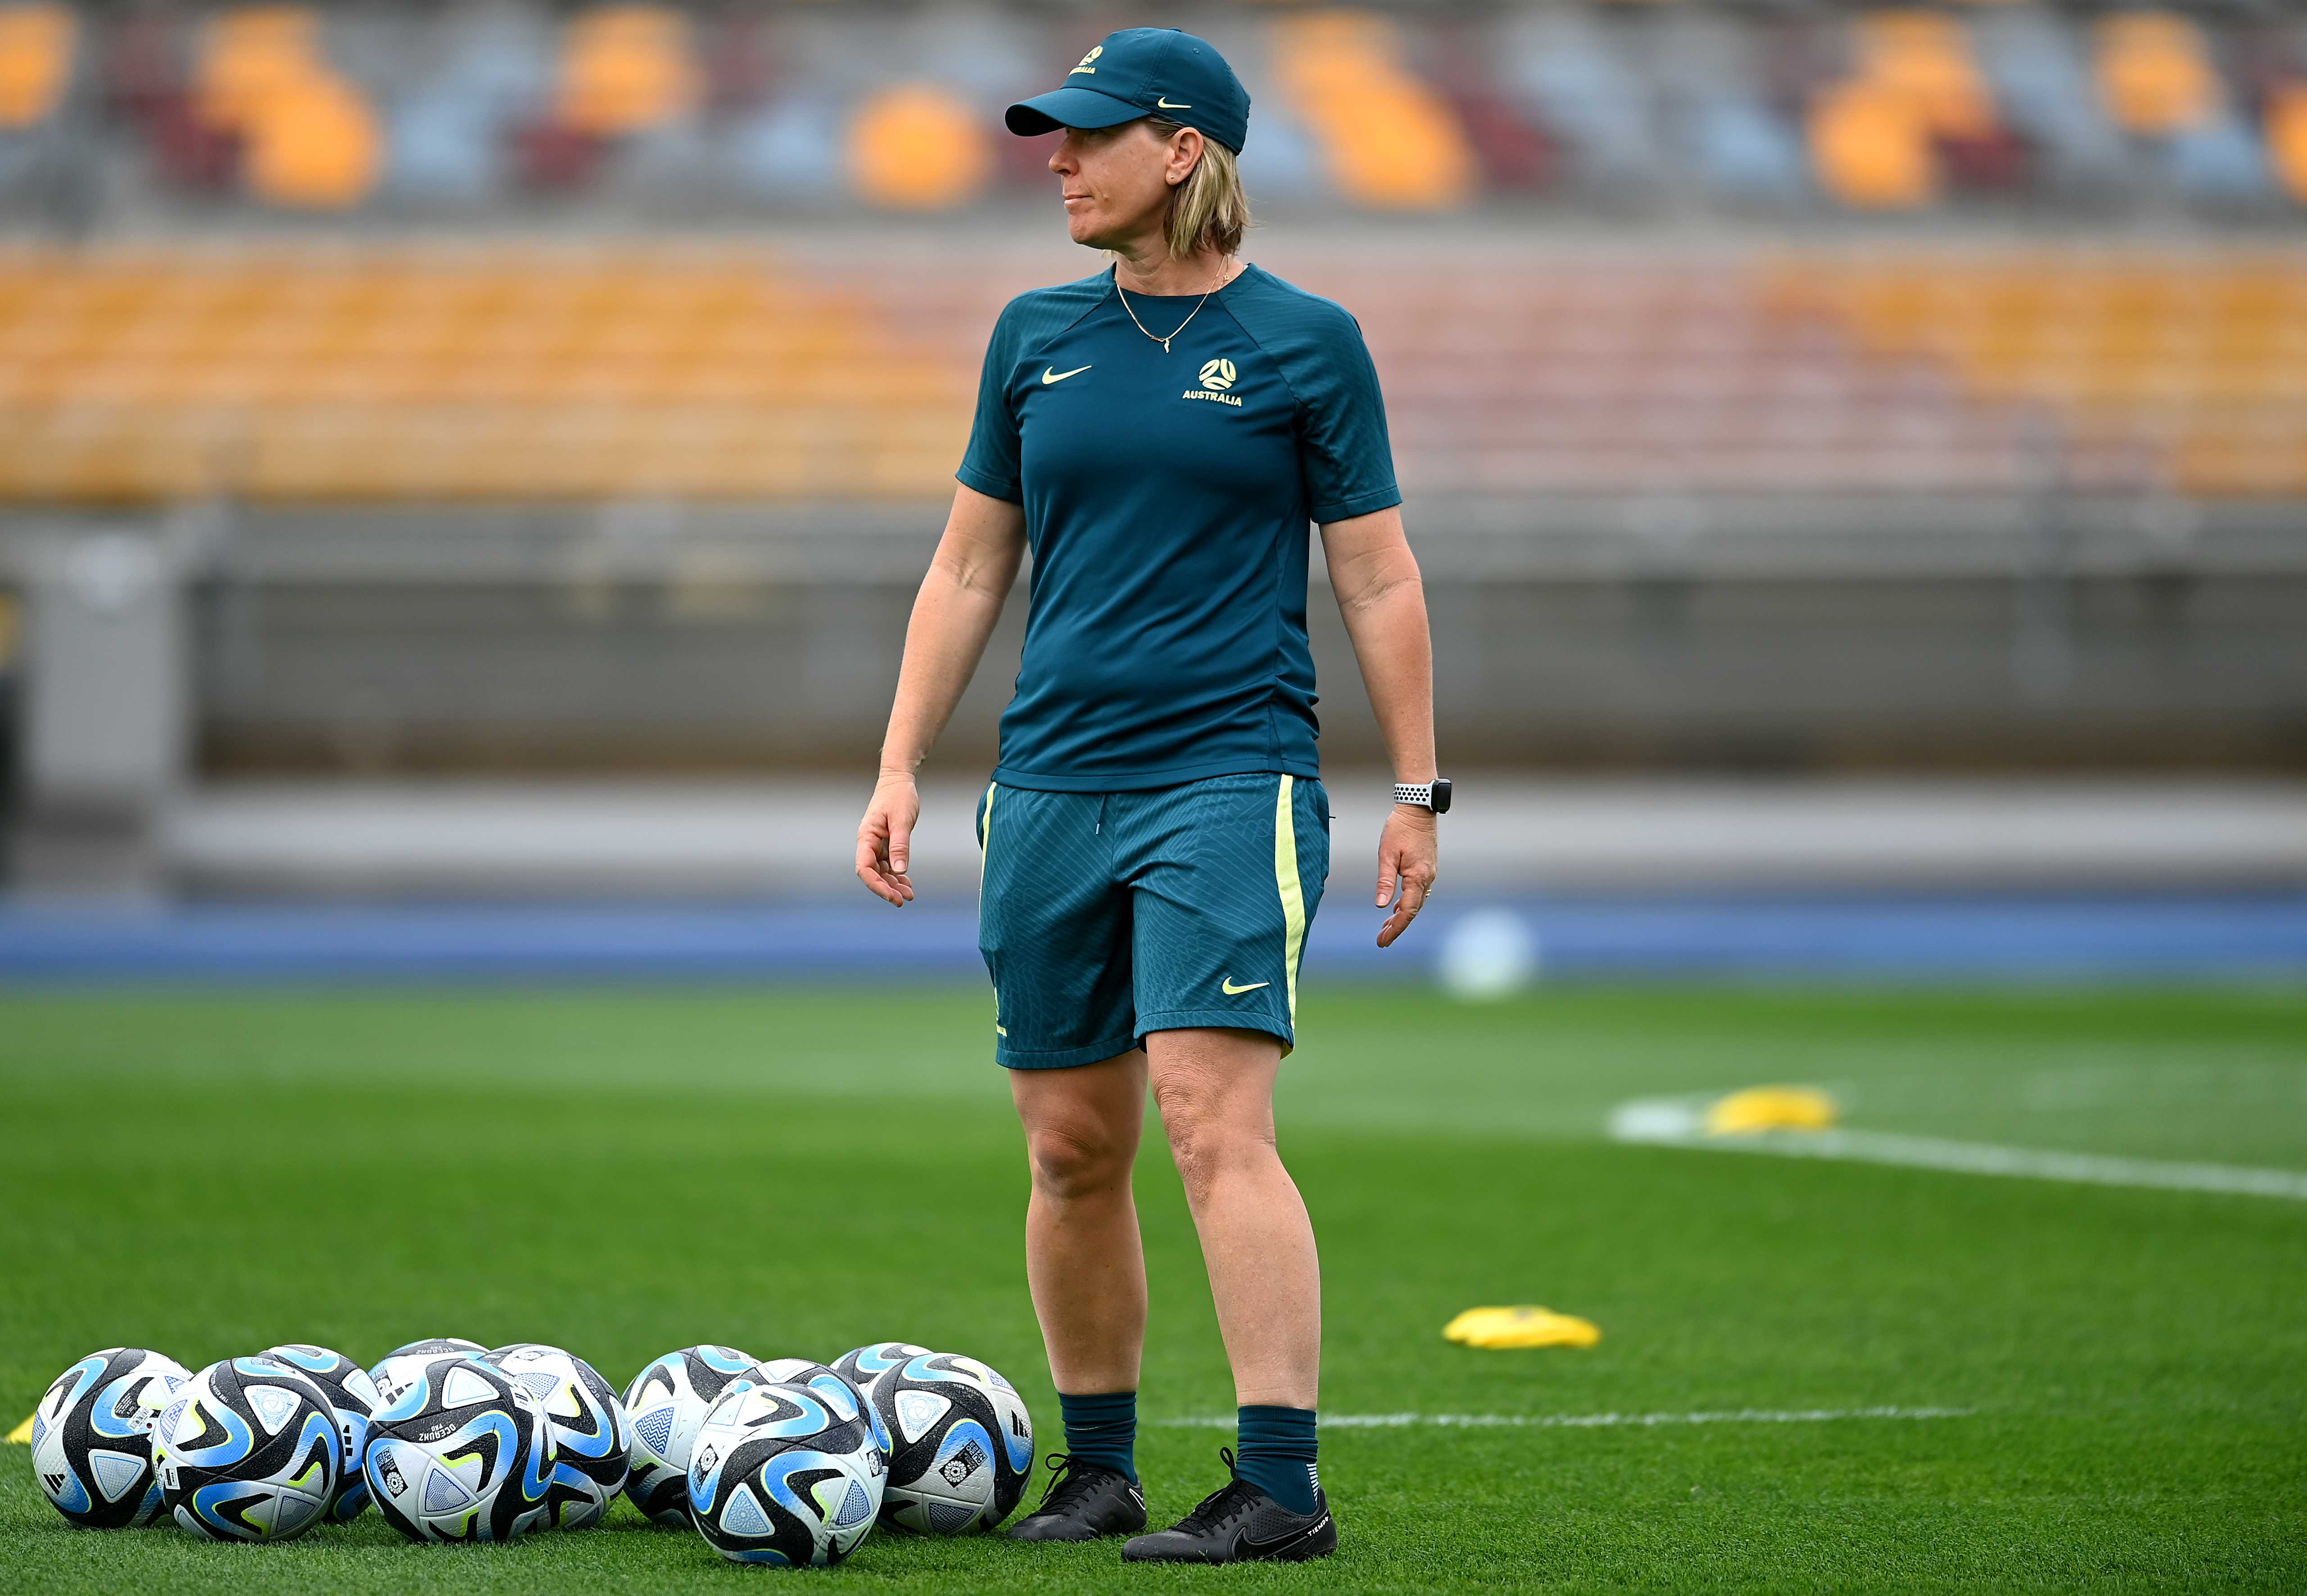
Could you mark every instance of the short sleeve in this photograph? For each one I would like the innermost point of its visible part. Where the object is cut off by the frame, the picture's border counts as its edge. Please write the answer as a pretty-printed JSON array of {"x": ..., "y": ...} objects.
[
  {"x": 990, "y": 463},
  {"x": 1345, "y": 452}
]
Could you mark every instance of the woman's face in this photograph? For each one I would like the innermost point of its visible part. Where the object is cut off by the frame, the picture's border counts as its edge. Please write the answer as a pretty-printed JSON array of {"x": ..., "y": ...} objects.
[{"x": 1116, "y": 181}]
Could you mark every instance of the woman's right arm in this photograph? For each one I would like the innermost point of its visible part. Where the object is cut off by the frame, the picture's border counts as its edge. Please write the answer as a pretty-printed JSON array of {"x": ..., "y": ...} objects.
[{"x": 975, "y": 566}]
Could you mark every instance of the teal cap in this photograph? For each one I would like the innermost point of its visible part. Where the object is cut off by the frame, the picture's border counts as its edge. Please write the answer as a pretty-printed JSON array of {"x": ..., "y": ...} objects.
[{"x": 1144, "y": 72}]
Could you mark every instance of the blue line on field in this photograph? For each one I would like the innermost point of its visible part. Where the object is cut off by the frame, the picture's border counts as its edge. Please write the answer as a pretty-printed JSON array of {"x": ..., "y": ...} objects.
[{"x": 2241, "y": 936}]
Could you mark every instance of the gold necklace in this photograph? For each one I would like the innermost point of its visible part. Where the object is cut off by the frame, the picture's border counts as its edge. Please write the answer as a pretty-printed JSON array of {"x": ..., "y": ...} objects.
[{"x": 1181, "y": 326}]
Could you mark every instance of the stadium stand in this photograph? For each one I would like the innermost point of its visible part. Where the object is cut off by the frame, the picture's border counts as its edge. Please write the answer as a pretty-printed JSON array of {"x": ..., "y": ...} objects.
[
  {"x": 1865, "y": 110},
  {"x": 467, "y": 369}
]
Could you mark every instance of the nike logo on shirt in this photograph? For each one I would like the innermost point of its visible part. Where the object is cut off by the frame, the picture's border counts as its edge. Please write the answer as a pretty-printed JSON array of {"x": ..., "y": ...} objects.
[
  {"x": 1232, "y": 990},
  {"x": 1051, "y": 375}
]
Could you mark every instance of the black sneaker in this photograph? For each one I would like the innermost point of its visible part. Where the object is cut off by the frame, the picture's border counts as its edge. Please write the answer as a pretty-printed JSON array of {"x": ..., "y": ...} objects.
[
  {"x": 1240, "y": 1523},
  {"x": 1085, "y": 1500}
]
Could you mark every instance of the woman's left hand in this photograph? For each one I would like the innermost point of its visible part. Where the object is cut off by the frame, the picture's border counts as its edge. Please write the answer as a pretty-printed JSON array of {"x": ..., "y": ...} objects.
[{"x": 1409, "y": 850}]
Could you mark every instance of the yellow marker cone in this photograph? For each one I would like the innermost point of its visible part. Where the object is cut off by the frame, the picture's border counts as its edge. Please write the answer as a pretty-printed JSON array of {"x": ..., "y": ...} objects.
[
  {"x": 1504, "y": 1327},
  {"x": 1770, "y": 1107},
  {"x": 22, "y": 1436}
]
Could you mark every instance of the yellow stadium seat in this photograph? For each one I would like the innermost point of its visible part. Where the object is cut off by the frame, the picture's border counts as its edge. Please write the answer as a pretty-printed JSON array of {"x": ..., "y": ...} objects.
[{"x": 37, "y": 43}]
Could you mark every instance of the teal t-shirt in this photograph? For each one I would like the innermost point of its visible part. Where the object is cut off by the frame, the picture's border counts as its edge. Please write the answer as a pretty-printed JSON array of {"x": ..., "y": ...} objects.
[{"x": 1167, "y": 497}]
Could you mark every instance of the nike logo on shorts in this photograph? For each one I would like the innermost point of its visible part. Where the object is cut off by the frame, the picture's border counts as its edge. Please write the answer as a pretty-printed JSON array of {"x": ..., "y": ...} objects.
[
  {"x": 1051, "y": 374},
  {"x": 1232, "y": 990}
]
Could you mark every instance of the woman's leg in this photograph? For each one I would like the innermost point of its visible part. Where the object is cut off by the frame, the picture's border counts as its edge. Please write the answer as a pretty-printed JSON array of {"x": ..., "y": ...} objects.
[
  {"x": 1215, "y": 1092},
  {"x": 1084, "y": 1261}
]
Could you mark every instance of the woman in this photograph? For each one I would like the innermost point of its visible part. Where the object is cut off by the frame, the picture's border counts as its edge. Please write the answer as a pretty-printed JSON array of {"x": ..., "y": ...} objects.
[{"x": 1155, "y": 837}]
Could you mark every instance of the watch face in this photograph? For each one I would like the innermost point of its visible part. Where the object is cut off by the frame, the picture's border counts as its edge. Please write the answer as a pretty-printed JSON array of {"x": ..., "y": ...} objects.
[{"x": 1441, "y": 796}]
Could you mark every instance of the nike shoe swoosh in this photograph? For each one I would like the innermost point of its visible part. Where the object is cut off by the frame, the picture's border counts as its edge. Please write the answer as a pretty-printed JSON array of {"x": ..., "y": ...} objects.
[
  {"x": 1244, "y": 1548},
  {"x": 1051, "y": 375},
  {"x": 1232, "y": 990}
]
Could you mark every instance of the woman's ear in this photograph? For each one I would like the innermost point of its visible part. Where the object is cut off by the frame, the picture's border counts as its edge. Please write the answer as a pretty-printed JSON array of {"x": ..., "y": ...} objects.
[{"x": 1185, "y": 151}]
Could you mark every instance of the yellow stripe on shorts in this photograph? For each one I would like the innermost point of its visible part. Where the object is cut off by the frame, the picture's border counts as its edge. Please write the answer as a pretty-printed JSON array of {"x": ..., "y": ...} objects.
[
  {"x": 985, "y": 847},
  {"x": 1285, "y": 878}
]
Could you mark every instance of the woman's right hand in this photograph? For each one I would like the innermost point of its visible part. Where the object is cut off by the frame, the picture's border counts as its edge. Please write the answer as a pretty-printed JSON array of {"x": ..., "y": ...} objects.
[{"x": 884, "y": 838}]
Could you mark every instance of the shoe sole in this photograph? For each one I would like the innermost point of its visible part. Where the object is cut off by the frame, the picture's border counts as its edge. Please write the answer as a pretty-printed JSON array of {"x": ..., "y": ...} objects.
[
  {"x": 1318, "y": 1542},
  {"x": 1076, "y": 1536}
]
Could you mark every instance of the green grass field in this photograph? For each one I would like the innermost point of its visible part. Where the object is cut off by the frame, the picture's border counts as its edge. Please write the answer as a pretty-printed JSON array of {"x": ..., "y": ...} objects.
[{"x": 626, "y": 1173}]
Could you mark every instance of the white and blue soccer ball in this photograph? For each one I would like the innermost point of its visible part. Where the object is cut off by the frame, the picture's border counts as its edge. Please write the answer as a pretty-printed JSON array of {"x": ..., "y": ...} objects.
[
  {"x": 667, "y": 1402},
  {"x": 805, "y": 1371},
  {"x": 249, "y": 1449},
  {"x": 785, "y": 1474},
  {"x": 465, "y": 1453},
  {"x": 591, "y": 1433},
  {"x": 401, "y": 1367},
  {"x": 92, "y": 1436},
  {"x": 863, "y": 1366},
  {"x": 962, "y": 1445},
  {"x": 352, "y": 1396}
]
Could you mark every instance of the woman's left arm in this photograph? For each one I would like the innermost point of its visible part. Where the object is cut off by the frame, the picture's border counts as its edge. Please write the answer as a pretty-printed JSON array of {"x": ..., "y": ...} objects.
[{"x": 1383, "y": 599}]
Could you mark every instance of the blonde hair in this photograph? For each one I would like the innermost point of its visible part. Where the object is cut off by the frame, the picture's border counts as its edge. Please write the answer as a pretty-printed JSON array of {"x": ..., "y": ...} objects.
[{"x": 1207, "y": 210}]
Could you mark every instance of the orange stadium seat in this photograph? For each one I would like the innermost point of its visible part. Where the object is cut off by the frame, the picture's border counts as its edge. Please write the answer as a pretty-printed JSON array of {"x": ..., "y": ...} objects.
[
  {"x": 626, "y": 69},
  {"x": 918, "y": 146},
  {"x": 1391, "y": 142},
  {"x": 36, "y": 45},
  {"x": 2155, "y": 72},
  {"x": 312, "y": 139}
]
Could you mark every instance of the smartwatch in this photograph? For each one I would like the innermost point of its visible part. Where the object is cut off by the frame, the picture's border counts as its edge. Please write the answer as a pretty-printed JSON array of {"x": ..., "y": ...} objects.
[{"x": 1434, "y": 795}]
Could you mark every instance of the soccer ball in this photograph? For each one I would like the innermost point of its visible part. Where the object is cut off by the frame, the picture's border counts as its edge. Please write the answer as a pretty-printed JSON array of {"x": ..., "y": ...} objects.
[
  {"x": 464, "y": 1453},
  {"x": 352, "y": 1396},
  {"x": 591, "y": 1432},
  {"x": 401, "y": 1367},
  {"x": 1013, "y": 1459},
  {"x": 963, "y": 1445},
  {"x": 92, "y": 1436},
  {"x": 667, "y": 1401},
  {"x": 786, "y": 1474},
  {"x": 864, "y": 1367},
  {"x": 801, "y": 1372},
  {"x": 249, "y": 1449}
]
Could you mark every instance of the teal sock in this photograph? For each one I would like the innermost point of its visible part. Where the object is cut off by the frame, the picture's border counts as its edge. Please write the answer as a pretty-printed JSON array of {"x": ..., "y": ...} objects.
[
  {"x": 1275, "y": 1454},
  {"x": 1103, "y": 1428}
]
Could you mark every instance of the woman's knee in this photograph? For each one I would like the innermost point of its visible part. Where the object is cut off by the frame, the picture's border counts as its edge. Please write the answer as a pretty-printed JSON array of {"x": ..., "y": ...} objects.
[
  {"x": 1211, "y": 1130},
  {"x": 1075, "y": 1157}
]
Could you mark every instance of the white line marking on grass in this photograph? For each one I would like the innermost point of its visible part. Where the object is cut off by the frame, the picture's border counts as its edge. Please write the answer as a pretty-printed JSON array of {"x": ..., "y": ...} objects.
[
  {"x": 1671, "y": 1122},
  {"x": 1592, "y": 1421}
]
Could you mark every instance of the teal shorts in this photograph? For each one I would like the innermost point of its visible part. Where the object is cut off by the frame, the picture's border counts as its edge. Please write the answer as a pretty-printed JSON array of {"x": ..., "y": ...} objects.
[{"x": 1104, "y": 917}]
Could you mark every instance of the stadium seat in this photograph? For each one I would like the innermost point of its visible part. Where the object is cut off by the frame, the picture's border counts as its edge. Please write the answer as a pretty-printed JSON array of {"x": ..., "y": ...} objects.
[
  {"x": 915, "y": 146},
  {"x": 309, "y": 136},
  {"x": 2154, "y": 73},
  {"x": 2286, "y": 138},
  {"x": 38, "y": 45},
  {"x": 625, "y": 69},
  {"x": 1390, "y": 141}
]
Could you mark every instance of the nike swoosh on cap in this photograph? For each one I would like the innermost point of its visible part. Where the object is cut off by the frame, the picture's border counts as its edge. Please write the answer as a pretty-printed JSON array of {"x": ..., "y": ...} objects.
[
  {"x": 1232, "y": 990},
  {"x": 1051, "y": 374},
  {"x": 1164, "y": 104}
]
